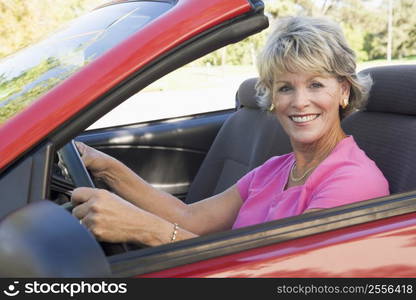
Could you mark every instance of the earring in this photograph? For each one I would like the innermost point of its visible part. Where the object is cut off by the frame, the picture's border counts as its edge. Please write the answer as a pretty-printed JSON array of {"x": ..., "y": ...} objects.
[
  {"x": 271, "y": 108},
  {"x": 344, "y": 103}
]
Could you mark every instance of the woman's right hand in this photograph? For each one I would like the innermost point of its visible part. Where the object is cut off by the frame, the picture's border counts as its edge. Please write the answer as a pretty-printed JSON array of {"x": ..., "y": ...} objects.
[{"x": 94, "y": 160}]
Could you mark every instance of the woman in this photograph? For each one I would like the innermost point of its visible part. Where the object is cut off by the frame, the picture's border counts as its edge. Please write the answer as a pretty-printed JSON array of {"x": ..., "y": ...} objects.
[{"x": 307, "y": 79}]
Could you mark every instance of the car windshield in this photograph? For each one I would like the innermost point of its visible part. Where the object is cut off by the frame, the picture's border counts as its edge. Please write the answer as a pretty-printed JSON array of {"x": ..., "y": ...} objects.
[{"x": 31, "y": 72}]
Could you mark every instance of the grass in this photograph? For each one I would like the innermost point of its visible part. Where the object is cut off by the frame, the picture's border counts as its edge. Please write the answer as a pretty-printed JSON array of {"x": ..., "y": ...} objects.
[
  {"x": 190, "y": 77},
  {"x": 381, "y": 62}
]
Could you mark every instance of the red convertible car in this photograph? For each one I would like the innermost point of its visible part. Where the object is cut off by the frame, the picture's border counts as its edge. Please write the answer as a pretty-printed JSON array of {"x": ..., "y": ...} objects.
[{"x": 52, "y": 92}]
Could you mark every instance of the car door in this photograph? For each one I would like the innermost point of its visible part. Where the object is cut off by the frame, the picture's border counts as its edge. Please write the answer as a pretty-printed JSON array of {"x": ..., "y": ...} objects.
[{"x": 166, "y": 153}]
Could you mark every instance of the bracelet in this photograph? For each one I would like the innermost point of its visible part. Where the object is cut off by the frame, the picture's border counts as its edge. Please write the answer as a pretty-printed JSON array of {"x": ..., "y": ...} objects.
[{"x": 175, "y": 231}]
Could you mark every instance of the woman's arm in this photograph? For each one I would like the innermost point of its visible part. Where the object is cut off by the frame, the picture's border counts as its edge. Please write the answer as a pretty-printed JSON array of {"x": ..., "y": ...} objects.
[
  {"x": 113, "y": 219},
  {"x": 210, "y": 215}
]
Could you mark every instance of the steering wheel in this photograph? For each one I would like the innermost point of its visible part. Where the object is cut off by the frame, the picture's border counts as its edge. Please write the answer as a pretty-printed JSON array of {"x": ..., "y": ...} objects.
[{"x": 74, "y": 168}]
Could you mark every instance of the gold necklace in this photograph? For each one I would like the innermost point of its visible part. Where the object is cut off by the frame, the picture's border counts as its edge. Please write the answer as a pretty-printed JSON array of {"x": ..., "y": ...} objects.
[{"x": 293, "y": 178}]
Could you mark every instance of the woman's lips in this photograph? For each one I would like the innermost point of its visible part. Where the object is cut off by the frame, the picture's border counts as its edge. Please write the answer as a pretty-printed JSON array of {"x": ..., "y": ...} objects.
[{"x": 304, "y": 118}]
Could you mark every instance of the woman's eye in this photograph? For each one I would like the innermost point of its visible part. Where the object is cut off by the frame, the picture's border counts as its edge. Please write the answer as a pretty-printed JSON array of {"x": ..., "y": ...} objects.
[
  {"x": 316, "y": 85},
  {"x": 284, "y": 89}
]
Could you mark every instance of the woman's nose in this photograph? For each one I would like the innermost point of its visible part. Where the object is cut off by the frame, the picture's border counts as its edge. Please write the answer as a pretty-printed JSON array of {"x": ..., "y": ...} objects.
[{"x": 301, "y": 99}]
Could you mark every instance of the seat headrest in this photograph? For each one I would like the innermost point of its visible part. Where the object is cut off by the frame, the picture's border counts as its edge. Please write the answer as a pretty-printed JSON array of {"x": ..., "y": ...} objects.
[
  {"x": 393, "y": 90},
  {"x": 246, "y": 94}
]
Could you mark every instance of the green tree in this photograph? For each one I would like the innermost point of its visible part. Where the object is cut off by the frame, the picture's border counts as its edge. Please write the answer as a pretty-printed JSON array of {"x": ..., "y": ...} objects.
[
  {"x": 404, "y": 28},
  {"x": 373, "y": 26}
]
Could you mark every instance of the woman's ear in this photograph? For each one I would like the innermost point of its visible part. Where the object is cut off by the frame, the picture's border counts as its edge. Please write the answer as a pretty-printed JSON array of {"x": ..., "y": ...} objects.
[
  {"x": 345, "y": 88},
  {"x": 345, "y": 93}
]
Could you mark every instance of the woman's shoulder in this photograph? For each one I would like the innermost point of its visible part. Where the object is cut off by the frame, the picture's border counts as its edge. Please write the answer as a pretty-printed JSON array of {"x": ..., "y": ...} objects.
[
  {"x": 267, "y": 172},
  {"x": 280, "y": 160},
  {"x": 274, "y": 165},
  {"x": 349, "y": 161},
  {"x": 349, "y": 155}
]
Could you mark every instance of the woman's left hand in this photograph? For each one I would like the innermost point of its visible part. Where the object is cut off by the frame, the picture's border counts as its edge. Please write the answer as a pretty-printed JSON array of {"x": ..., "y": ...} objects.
[{"x": 109, "y": 217}]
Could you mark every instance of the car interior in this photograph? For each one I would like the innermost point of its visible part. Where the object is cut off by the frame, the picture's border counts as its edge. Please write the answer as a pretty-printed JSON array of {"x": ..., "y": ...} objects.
[
  {"x": 202, "y": 155},
  {"x": 383, "y": 130}
]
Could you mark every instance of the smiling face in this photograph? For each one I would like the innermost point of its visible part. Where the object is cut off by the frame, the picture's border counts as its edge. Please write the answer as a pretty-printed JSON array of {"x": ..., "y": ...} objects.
[{"x": 307, "y": 106}]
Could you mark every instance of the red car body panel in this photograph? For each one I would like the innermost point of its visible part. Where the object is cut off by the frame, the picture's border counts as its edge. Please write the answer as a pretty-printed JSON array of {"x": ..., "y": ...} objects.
[
  {"x": 62, "y": 102},
  {"x": 325, "y": 255}
]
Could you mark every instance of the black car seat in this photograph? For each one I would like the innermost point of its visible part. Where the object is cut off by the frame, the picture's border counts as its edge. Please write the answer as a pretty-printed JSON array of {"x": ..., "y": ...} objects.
[
  {"x": 247, "y": 139},
  {"x": 386, "y": 128}
]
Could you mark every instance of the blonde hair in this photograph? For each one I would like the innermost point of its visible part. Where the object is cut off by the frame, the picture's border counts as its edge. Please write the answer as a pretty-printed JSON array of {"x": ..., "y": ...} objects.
[{"x": 313, "y": 45}]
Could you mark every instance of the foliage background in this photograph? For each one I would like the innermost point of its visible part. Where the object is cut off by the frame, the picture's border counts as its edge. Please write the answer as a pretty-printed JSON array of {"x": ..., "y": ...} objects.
[
  {"x": 23, "y": 22},
  {"x": 364, "y": 23}
]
